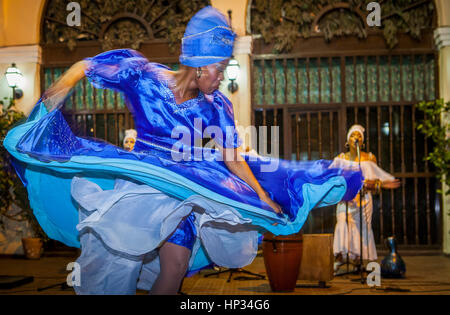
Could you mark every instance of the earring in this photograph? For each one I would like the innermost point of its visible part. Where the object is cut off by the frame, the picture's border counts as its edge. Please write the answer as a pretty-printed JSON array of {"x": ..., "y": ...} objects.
[
  {"x": 346, "y": 145},
  {"x": 199, "y": 73}
]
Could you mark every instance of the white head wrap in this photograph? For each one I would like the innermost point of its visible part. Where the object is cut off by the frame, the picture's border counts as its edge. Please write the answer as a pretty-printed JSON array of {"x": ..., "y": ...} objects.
[
  {"x": 130, "y": 133},
  {"x": 354, "y": 128}
]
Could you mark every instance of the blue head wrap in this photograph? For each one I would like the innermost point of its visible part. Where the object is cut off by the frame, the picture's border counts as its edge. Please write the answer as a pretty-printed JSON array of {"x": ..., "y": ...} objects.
[{"x": 208, "y": 39}]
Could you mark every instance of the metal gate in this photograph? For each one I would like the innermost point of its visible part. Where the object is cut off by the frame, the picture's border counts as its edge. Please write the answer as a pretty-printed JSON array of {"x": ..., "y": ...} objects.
[{"x": 316, "y": 98}]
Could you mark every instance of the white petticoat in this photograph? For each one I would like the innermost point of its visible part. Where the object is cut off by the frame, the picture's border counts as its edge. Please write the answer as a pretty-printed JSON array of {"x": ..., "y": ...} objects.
[{"x": 121, "y": 230}]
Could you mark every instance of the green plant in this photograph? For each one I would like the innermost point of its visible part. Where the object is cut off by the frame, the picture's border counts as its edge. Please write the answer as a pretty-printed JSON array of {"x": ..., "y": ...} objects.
[
  {"x": 435, "y": 126},
  {"x": 12, "y": 191}
]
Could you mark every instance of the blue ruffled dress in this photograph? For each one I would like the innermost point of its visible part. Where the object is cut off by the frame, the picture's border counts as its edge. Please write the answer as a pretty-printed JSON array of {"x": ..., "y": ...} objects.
[{"x": 121, "y": 206}]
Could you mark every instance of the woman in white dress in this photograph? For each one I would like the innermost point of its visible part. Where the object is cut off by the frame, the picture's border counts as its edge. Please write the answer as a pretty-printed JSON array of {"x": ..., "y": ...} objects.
[{"x": 347, "y": 236}]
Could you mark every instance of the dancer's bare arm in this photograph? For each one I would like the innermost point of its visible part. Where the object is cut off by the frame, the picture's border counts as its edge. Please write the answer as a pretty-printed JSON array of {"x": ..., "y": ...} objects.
[
  {"x": 387, "y": 184},
  {"x": 66, "y": 82},
  {"x": 238, "y": 166}
]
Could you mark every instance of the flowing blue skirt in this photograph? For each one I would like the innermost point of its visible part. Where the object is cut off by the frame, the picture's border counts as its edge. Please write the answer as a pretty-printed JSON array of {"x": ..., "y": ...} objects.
[{"x": 126, "y": 204}]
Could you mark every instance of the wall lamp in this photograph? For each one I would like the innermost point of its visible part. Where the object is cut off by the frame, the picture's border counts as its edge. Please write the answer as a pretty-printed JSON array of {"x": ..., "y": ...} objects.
[
  {"x": 232, "y": 73},
  {"x": 14, "y": 78}
]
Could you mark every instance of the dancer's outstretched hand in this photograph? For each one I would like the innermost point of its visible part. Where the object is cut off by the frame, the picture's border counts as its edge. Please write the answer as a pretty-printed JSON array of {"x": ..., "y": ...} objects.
[{"x": 275, "y": 206}]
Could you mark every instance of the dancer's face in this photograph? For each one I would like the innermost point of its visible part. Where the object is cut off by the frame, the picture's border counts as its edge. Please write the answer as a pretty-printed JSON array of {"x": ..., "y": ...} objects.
[
  {"x": 356, "y": 135},
  {"x": 211, "y": 77}
]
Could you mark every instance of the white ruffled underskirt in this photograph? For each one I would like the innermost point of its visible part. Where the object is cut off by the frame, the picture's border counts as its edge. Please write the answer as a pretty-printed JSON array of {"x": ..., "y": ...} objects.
[{"x": 121, "y": 230}]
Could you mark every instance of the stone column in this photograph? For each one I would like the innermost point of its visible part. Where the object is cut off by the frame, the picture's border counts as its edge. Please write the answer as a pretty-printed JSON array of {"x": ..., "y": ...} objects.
[
  {"x": 442, "y": 40},
  {"x": 28, "y": 60},
  {"x": 241, "y": 99}
]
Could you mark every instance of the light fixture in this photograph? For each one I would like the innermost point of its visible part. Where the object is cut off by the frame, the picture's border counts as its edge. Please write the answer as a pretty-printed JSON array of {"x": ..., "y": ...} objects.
[
  {"x": 14, "y": 78},
  {"x": 232, "y": 73}
]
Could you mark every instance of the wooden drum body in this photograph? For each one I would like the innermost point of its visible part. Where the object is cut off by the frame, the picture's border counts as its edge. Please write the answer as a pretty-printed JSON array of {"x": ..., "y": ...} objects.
[{"x": 282, "y": 258}]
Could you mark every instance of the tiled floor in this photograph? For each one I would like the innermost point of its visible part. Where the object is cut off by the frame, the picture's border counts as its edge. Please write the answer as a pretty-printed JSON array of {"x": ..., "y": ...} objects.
[{"x": 425, "y": 275}]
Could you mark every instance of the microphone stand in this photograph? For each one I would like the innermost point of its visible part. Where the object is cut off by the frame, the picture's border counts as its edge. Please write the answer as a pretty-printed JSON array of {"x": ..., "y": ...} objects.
[
  {"x": 347, "y": 263},
  {"x": 360, "y": 219},
  {"x": 360, "y": 266}
]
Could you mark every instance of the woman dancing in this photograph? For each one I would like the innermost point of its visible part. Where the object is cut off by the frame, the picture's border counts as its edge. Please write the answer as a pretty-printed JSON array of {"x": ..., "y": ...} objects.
[{"x": 143, "y": 218}]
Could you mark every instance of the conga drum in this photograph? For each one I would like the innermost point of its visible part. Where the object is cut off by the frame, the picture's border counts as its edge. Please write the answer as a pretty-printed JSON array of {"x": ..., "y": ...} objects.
[{"x": 282, "y": 258}]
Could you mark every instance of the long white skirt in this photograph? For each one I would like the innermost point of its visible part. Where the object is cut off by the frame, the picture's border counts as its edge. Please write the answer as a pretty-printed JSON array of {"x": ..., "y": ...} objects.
[
  {"x": 122, "y": 229},
  {"x": 347, "y": 237}
]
